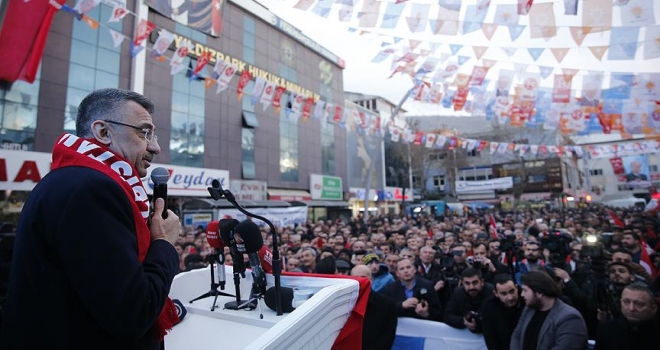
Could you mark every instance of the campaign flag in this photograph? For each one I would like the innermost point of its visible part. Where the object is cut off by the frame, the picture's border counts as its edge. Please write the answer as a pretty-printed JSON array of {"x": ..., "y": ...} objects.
[
  {"x": 176, "y": 63},
  {"x": 267, "y": 95},
  {"x": 561, "y": 92},
  {"x": 23, "y": 37},
  {"x": 144, "y": 29},
  {"x": 259, "y": 85},
  {"x": 391, "y": 15},
  {"x": 277, "y": 97},
  {"x": 117, "y": 38},
  {"x": 228, "y": 72},
  {"x": 242, "y": 83},
  {"x": 84, "y": 6},
  {"x": 319, "y": 110},
  {"x": 118, "y": 13},
  {"x": 570, "y": 7},
  {"x": 161, "y": 45},
  {"x": 623, "y": 43}
]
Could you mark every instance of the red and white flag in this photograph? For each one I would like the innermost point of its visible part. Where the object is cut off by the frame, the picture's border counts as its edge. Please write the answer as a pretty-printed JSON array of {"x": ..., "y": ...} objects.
[
  {"x": 267, "y": 95},
  {"x": 176, "y": 63},
  {"x": 645, "y": 259},
  {"x": 614, "y": 219},
  {"x": 493, "y": 226},
  {"x": 228, "y": 72},
  {"x": 117, "y": 14}
]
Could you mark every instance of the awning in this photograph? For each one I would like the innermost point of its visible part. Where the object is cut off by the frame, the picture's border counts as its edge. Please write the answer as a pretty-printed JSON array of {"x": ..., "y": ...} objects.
[
  {"x": 288, "y": 195},
  {"x": 208, "y": 204},
  {"x": 322, "y": 203}
]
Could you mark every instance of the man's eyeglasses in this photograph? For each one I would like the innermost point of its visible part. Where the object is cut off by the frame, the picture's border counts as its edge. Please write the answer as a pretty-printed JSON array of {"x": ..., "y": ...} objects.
[{"x": 148, "y": 133}]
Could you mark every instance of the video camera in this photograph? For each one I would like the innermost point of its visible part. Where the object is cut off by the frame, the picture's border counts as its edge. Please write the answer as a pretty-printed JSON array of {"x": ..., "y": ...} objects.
[
  {"x": 559, "y": 245},
  {"x": 509, "y": 243}
]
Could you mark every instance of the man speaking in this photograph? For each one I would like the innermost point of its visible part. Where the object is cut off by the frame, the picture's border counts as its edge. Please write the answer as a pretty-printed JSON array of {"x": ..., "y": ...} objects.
[{"x": 91, "y": 268}]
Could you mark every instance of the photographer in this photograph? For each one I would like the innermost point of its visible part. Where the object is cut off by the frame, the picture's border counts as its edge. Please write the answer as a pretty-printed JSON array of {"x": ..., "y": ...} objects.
[
  {"x": 481, "y": 262},
  {"x": 464, "y": 307},
  {"x": 620, "y": 276}
]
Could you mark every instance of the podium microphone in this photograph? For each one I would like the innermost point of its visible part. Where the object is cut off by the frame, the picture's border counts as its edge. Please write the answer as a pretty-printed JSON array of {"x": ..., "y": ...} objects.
[
  {"x": 159, "y": 176},
  {"x": 218, "y": 246},
  {"x": 252, "y": 244}
]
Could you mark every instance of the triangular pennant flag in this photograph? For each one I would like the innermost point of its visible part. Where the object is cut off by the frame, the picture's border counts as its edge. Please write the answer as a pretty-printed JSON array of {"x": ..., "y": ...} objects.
[
  {"x": 414, "y": 44},
  {"x": 545, "y": 71},
  {"x": 135, "y": 50},
  {"x": 515, "y": 31},
  {"x": 559, "y": 53},
  {"x": 569, "y": 71},
  {"x": 489, "y": 29},
  {"x": 454, "y": 48},
  {"x": 488, "y": 63},
  {"x": 535, "y": 52},
  {"x": 242, "y": 83},
  {"x": 259, "y": 85},
  {"x": 462, "y": 59},
  {"x": 117, "y": 38},
  {"x": 509, "y": 51},
  {"x": 598, "y": 51},
  {"x": 117, "y": 14},
  {"x": 267, "y": 95},
  {"x": 144, "y": 29},
  {"x": 479, "y": 51},
  {"x": 208, "y": 82},
  {"x": 579, "y": 33},
  {"x": 91, "y": 22}
]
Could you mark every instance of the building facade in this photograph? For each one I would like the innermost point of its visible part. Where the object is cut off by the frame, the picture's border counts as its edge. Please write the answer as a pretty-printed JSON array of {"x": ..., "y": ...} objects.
[{"x": 265, "y": 149}]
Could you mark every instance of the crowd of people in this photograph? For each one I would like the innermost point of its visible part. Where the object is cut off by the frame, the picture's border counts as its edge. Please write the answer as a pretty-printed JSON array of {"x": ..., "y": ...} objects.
[{"x": 525, "y": 280}]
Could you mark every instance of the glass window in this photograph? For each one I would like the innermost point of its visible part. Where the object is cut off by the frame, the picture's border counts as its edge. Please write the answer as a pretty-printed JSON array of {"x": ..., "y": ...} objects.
[
  {"x": 328, "y": 150},
  {"x": 248, "y": 39},
  {"x": 18, "y": 112},
  {"x": 187, "y": 132},
  {"x": 94, "y": 62},
  {"x": 288, "y": 146},
  {"x": 247, "y": 153}
]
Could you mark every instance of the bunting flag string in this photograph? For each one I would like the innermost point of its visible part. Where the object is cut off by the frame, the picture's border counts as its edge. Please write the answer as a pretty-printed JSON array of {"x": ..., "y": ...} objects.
[{"x": 525, "y": 108}]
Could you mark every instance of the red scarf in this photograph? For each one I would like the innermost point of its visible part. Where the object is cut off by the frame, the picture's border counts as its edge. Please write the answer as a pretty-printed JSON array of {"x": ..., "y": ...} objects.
[{"x": 71, "y": 150}]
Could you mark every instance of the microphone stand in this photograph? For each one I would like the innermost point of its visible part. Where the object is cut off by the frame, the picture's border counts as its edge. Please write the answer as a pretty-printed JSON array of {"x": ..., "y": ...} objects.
[
  {"x": 216, "y": 191},
  {"x": 214, "y": 292}
]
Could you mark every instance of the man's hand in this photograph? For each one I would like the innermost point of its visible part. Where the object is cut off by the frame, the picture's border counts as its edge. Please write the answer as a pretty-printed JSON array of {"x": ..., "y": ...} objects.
[
  {"x": 422, "y": 309},
  {"x": 561, "y": 273},
  {"x": 167, "y": 229},
  {"x": 470, "y": 325},
  {"x": 410, "y": 303},
  {"x": 439, "y": 285}
]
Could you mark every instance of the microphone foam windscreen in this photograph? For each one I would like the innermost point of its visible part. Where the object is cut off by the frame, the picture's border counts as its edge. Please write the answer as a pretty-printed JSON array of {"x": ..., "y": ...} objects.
[
  {"x": 160, "y": 176},
  {"x": 266, "y": 259},
  {"x": 251, "y": 235},
  {"x": 226, "y": 226},
  {"x": 286, "y": 296},
  {"x": 212, "y": 235}
]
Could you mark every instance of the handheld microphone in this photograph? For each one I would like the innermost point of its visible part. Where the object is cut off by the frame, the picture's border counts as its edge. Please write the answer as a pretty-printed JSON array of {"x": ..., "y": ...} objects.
[
  {"x": 159, "y": 176},
  {"x": 218, "y": 246},
  {"x": 252, "y": 242},
  {"x": 227, "y": 230}
]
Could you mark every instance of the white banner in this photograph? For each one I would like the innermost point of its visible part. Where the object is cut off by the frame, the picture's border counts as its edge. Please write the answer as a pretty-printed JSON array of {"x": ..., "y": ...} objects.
[
  {"x": 416, "y": 334},
  {"x": 280, "y": 217},
  {"x": 487, "y": 185}
]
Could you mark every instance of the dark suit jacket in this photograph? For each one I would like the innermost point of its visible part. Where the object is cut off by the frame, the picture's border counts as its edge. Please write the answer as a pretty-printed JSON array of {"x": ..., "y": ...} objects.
[
  {"x": 563, "y": 328},
  {"x": 380, "y": 320},
  {"x": 396, "y": 292},
  {"x": 618, "y": 334},
  {"x": 461, "y": 303},
  {"x": 76, "y": 281},
  {"x": 498, "y": 323}
]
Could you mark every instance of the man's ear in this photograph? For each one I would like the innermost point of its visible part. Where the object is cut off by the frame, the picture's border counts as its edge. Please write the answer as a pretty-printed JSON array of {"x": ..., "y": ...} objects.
[{"x": 101, "y": 132}]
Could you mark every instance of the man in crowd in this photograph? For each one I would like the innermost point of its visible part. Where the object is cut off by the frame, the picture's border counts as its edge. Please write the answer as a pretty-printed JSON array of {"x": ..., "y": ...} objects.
[
  {"x": 428, "y": 269},
  {"x": 379, "y": 272},
  {"x": 380, "y": 318},
  {"x": 630, "y": 243},
  {"x": 308, "y": 260},
  {"x": 531, "y": 261},
  {"x": 464, "y": 307},
  {"x": 500, "y": 314},
  {"x": 638, "y": 328},
  {"x": 547, "y": 322},
  {"x": 413, "y": 296}
]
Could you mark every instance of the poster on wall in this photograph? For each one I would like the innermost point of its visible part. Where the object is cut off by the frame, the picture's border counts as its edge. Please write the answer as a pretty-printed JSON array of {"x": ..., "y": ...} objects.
[
  {"x": 637, "y": 172},
  {"x": 203, "y": 15}
]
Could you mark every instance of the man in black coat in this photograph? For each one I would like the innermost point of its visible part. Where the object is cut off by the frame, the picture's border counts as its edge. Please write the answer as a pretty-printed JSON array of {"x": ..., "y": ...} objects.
[
  {"x": 380, "y": 318},
  {"x": 464, "y": 307},
  {"x": 639, "y": 327},
  {"x": 413, "y": 296},
  {"x": 500, "y": 314}
]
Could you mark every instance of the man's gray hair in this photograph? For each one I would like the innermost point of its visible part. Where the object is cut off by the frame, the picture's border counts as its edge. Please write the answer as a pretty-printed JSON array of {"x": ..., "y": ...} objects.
[{"x": 106, "y": 104}]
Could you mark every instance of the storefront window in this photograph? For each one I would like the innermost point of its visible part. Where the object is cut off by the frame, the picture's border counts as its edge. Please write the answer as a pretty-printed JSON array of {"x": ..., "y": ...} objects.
[
  {"x": 288, "y": 145},
  {"x": 18, "y": 113},
  {"x": 94, "y": 62},
  {"x": 187, "y": 135}
]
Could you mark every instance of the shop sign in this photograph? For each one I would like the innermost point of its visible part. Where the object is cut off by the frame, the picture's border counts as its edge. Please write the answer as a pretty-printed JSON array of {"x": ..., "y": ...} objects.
[
  {"x": 249, "y": 190},
  {"x": 325, "y": 187}
]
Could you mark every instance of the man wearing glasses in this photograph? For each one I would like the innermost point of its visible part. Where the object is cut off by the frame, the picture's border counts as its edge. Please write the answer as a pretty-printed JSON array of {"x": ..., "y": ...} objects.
[{"x": 86, "y": 242}]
